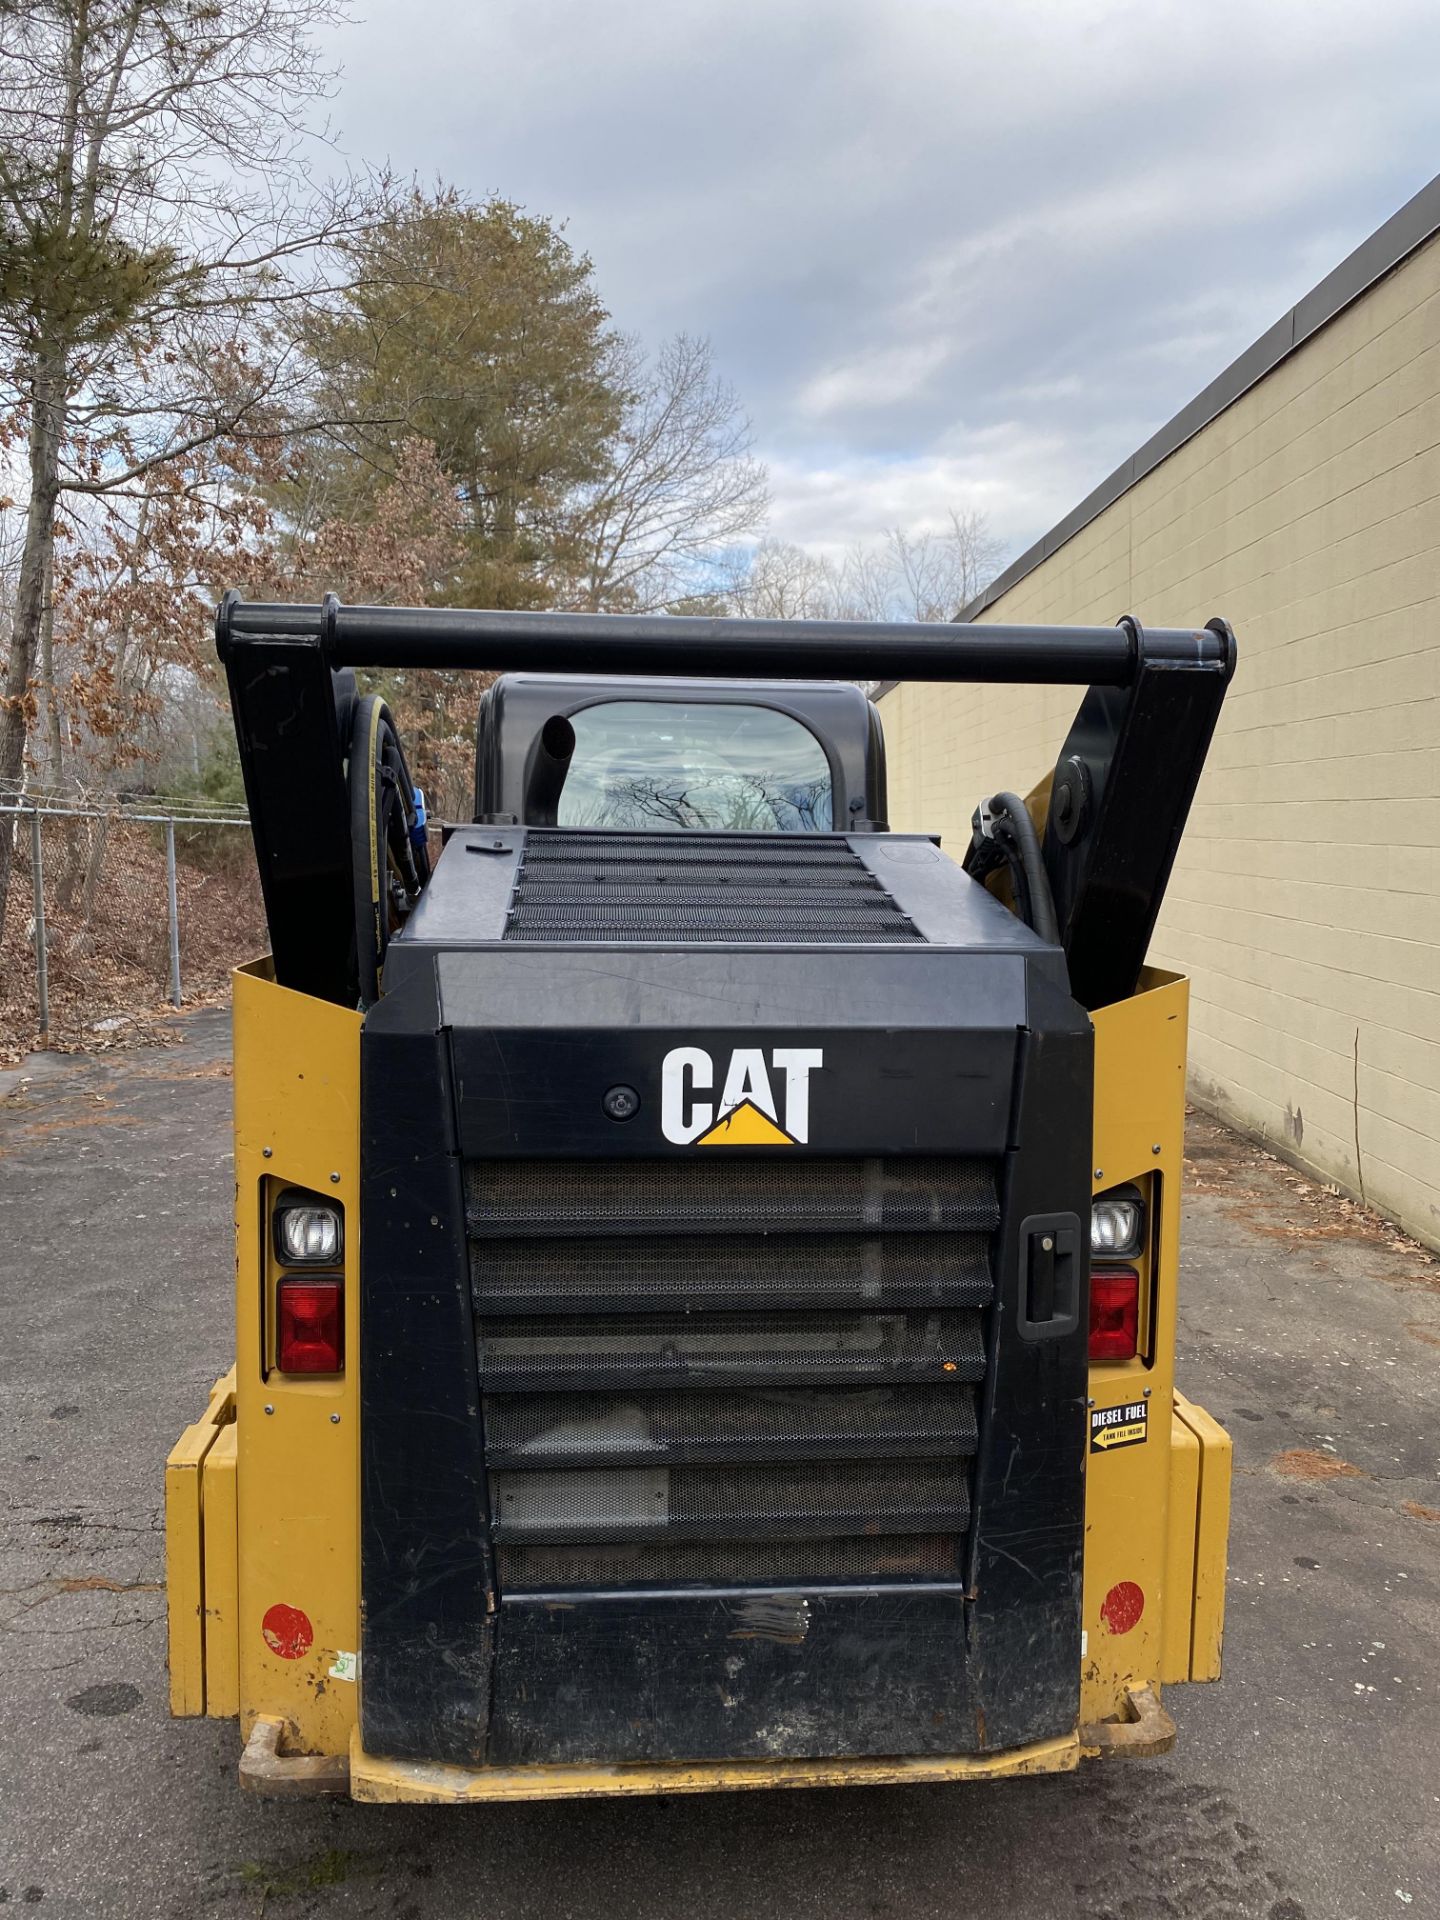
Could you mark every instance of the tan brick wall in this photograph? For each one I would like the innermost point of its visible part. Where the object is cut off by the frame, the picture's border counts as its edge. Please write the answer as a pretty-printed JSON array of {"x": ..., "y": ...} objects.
[{"x": 1305, "y": 903}]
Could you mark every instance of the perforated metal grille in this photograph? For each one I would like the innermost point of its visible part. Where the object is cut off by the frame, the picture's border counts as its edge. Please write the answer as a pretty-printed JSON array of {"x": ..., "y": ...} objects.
[
  {"x": 603, "y": 1430},
  {"x": 895, "y": 1270},
  {"x": 715, "y": 870},
  {"x": 695, "y": 923},
  {"x": 709, "y": 1195},
  {"x": 672, "y": 852},
  {"x": 787, "y": 1502},
  {"x": 760, "y": 889},
  {"x": 658, "y": 1349},
  {"x": 729, "y": 1370},
  {"x": 816, "y": 890},
  {"x": 729, "y": 1563}
]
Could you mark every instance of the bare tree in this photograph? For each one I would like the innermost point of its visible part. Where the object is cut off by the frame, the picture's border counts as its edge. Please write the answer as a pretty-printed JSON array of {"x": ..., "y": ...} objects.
[
  {"x": 935, "y": 576},
  {"x": 155, "y": 206},
  {"x": 866, "y": 588},
  {"x": 978, "y": 554},
  {"x": 406, "y": 549},
  {"x": 785, "y": 582},
  {"x": 927, "y": 575},
  {"x": 682, "y": 486}
]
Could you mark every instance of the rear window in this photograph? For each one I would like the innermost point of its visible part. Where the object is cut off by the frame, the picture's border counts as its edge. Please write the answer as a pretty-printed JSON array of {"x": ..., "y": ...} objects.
[{"x": 666, "y": 764}]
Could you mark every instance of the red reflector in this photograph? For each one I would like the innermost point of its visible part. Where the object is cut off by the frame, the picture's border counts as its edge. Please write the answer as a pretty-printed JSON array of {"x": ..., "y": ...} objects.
[
  {"x": 310, "y": 1326},
  {"x": 1122, "y": 1606},
  {"x": 1114, "y": 1313}
]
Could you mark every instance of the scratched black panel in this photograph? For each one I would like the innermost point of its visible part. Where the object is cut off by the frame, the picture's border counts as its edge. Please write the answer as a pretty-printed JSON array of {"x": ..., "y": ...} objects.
[
  {"x": 1027, "y": 1539},
  {"x": 425, "y": 1557},
  {"x": 746, "y": 1676}
]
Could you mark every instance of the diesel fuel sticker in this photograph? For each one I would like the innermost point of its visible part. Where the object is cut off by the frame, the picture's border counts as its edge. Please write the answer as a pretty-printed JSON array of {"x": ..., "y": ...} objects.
[{"x": 1112, "y": 1427}]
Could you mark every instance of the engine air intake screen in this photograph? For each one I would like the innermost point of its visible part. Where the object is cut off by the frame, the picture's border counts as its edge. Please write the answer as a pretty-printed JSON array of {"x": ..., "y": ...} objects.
[
  {"x": 833, "y": 1498},
  {"x": 633, "y": 1272},
  {"x": 730, "y": 1373},
  {"x": 671, "y": 888},
  {"x": 730, "y": 1563},
  {"x": 613, "y": 1430},
  {"x": 512, "y": 1197}
]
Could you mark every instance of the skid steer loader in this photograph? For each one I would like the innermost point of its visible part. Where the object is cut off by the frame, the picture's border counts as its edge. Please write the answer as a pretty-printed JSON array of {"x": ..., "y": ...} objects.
[{"x": 706, "y": 1263}]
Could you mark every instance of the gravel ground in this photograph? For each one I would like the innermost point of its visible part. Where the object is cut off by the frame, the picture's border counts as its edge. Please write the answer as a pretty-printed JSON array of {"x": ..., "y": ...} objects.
[{"x": 1305, "y": 1787}]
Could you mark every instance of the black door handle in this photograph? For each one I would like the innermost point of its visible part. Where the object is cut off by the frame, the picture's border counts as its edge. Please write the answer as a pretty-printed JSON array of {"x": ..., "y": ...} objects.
[{"x": 1050, "y": 1267}]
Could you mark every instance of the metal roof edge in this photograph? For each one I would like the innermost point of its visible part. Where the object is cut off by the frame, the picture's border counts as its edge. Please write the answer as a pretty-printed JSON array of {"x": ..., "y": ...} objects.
[{"x": 1391, "y": 244}]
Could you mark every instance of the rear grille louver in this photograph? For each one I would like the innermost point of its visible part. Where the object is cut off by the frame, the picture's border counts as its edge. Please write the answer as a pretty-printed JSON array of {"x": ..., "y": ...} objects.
[
  {"x": 597, "y": 1429},
  {"x": 717, "y": 1194},
  {"x": 716, "y": 1349},
  {"x": 697, "y": 888},
  {"x": 799, "y": 1499},
  {"x": 729, "y": 1371},
  {"x": 633, "y": 1273}
]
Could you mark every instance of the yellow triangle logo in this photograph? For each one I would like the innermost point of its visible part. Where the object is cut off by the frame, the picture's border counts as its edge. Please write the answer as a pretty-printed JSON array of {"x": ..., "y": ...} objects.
[{"x": 745, "y": 1126}]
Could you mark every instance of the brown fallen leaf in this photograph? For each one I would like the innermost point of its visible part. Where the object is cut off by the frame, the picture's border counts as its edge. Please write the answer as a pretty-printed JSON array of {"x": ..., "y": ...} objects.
[{"x": 1305, "y": 1463}]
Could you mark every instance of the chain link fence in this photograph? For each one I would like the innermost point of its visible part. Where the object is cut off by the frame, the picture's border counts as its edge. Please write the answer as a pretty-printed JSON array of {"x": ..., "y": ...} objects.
[{"x": 113, "y": 911}]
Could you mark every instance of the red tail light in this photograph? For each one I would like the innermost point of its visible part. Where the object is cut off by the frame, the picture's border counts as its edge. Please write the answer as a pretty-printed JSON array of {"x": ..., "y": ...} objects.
[
  {"x": 310, "y": 1326},
  {"x": 1114, "y": 1313}
]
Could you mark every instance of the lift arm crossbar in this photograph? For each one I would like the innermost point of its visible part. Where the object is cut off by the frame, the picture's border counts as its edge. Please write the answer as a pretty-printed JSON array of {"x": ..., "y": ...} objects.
[{"x": 398, "y": 637}]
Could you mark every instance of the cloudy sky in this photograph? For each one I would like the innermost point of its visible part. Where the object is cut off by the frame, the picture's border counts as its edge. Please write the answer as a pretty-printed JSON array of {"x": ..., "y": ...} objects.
[{"x": 948, "y": 252}]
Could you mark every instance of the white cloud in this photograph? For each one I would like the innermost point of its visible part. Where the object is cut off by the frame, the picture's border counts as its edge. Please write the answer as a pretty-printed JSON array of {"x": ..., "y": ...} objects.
[
  {"x": 875, "y": 379},
  {"x": 951, "y": 252},
  {"x": 1019, "y": 478}
]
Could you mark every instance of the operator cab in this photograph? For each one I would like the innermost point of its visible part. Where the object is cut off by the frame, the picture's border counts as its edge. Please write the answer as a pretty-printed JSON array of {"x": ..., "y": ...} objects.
[{"x": 667, "y": 755}]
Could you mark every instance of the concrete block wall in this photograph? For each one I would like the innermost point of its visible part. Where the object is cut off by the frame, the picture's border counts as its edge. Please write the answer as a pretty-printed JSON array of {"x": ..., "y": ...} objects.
[{"x": 1305, "y": 903}]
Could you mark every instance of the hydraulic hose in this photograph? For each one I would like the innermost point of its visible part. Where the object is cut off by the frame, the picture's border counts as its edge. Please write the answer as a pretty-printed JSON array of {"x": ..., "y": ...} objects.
[
  {"x": 1005, "y": 834},
  {"x": 389, "y": 859}
]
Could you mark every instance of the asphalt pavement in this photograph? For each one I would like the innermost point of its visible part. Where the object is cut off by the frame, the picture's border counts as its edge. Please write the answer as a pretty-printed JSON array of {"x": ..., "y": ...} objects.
[{"x": 1305, "y": 1786}]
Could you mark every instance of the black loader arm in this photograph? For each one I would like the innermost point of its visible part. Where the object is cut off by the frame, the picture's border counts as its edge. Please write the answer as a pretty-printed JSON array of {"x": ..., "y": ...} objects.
[
  {"x": 1119, "y": 800},
  {"x": 292, "y": 716}
]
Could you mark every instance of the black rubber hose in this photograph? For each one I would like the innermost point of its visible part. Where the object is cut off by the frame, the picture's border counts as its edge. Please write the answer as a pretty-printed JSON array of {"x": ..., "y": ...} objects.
[
  {"x": 389, "y": 860},
  {"x": 1013, "y": 839}
]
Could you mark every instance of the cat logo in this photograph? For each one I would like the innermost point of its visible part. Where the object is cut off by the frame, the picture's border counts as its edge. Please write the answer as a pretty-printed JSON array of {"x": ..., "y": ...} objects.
[{"x": 746, "y": 1114}]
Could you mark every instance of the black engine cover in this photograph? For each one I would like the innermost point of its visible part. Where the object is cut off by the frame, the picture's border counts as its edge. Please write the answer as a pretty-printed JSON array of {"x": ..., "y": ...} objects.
[{"x": 707, "y": 1412}]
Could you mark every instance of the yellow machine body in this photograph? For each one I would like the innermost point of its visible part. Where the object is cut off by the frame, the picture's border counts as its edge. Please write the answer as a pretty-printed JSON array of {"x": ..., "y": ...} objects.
[
  {"x": 263, "y": 1493},
  {"x": 270, "y": 1519}
]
